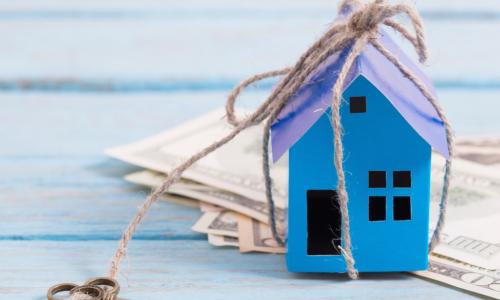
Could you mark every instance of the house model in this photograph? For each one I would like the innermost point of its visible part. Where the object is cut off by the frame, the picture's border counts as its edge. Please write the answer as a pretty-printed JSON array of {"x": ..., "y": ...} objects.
[{"x": 389, "y": 129}]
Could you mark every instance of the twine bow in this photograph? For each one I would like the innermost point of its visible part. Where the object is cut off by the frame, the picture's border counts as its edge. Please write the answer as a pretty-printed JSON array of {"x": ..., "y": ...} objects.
[{"x": 359, "y": 29}]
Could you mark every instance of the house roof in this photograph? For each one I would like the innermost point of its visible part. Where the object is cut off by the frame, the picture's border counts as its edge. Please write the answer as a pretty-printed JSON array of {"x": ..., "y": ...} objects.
[{"x": 307, "y": 105}]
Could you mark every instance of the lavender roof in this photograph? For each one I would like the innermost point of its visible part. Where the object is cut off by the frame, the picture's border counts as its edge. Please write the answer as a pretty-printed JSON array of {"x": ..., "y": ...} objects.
[{"x": 314, "y": 97}]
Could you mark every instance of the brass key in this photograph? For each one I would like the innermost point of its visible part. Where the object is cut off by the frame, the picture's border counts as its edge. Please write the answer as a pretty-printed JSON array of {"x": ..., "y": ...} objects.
[{"x": 99, "y": 288}]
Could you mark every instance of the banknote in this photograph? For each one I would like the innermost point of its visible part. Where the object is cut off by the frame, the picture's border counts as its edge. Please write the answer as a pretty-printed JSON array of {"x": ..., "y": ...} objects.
[
  {"x": 464, "y": 276},
  {"x": 474, "y": 190},
  {"x": 473, "y": 214},
  {"x": 207, "y": 207},
  {"x": 480, "y": 141},
  {"x": 484, "y": 150},
  {"x": 221, "y": 240},
  {"x": 218, "y": 223},
  {"x": 476, "y": 241},
  {"x": 255, "y": 236},
  {"x": 231, "y": 201},
  {"x": 235, "y": 167},
  {"x": 468, "y": 256},
  {"x": 181, "y": 200}
]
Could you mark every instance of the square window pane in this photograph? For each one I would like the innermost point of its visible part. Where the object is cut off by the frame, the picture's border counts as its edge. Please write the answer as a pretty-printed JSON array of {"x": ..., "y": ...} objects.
[
  {"x": 401, "y": 179},
  {"x": 357, "y": 104},
  {"x": 376, "y": 179},
  {"x": 402, "y": 208},
  {"x": 376, "y": 208}
]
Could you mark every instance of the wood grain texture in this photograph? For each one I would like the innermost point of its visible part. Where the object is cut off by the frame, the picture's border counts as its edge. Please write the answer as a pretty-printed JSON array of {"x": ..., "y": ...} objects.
[{"x": 80, "y": 198}]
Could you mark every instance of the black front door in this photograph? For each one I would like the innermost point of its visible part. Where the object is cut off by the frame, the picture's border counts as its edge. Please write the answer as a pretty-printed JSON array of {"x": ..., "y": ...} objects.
[{"x": 323, "y": 223}]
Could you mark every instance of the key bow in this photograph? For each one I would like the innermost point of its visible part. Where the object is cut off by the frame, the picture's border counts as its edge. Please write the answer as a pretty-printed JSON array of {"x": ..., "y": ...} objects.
[{"x": 99, "y": 288}]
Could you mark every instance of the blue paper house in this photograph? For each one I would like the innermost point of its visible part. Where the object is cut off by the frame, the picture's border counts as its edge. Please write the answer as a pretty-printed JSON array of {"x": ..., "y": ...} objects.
[{"x": 389, "y": 131}]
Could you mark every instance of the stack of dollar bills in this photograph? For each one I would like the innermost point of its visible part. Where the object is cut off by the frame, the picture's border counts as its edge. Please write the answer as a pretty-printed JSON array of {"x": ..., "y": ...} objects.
[{"x": 228, "y": 188}]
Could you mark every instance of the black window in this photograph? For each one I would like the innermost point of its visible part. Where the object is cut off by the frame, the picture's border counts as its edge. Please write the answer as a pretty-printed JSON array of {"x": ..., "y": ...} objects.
[
  {"x": 402, "y": 208},
  {"x": 401, "y": 179},
  {"x": 357, "y": 104},
  {"x": 376, "y": 179},
  {"x": 377, "y": 208},
  {"x": 323, "y": 223}
]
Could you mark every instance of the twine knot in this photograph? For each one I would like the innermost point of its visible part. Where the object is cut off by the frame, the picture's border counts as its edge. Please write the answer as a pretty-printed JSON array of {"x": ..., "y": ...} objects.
[{"x": 367, "y": 18}]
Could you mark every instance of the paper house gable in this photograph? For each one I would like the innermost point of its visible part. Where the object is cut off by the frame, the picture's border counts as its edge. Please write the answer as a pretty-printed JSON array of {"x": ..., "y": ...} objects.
[{"x": 389, "y": 129}]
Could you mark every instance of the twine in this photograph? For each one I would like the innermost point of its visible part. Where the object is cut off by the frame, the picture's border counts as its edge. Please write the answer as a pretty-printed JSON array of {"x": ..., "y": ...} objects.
[{"x": 359, "y": 29}]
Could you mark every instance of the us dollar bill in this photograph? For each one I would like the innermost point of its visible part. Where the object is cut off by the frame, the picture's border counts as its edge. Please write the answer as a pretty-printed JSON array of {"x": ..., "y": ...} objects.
[
  {"x": 474, "y": 191},
  {"x": 475, "y": 241},
  {"x": 464, "y": 276},
  {"x": 222, "y": 241},
  {"x": 218, "y": 223},
  {"x": 484, "y": 150},
  {"x": 228, "y": 200},
  {"x": 255, "y": 236},
  {"x": 473, "y": 213},
  {"x": 207, "y": 207},
  {"x": 181, "y": 200},
  {"x": 235, "y": 167}
]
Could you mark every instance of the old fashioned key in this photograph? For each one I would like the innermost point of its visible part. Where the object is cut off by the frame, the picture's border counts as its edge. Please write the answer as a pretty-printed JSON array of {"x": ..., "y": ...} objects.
[{"x": 99, "y": 288}]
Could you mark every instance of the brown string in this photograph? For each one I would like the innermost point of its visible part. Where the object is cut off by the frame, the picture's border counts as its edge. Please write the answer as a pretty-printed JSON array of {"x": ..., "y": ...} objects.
[{"x": 360, "y": 28}]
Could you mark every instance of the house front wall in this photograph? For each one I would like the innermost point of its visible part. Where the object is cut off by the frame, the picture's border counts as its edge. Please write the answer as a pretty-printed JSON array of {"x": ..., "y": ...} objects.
[{"x": 380, "y": 140}]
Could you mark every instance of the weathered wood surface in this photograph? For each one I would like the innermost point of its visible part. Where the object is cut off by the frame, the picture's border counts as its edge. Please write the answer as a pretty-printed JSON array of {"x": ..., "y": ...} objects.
[
  {"x": 63, "y": 203},
  {"x": 186, "y": 269}
]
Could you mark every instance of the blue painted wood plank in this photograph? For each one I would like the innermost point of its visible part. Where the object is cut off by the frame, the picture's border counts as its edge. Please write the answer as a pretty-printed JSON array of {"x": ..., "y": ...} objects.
[
  {"x": 142, "y": 85},
  {"x": 192, "y": 270},
  {"x": 80, "y": 198}
]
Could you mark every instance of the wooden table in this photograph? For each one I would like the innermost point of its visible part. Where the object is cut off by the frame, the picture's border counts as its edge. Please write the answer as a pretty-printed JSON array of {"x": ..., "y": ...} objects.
[{"x": 78, "y": 77}]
